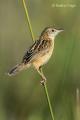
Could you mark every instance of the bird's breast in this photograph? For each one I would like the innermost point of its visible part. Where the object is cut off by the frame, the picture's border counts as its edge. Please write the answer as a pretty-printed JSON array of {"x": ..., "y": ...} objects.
[{"x": 43, "y": 58}]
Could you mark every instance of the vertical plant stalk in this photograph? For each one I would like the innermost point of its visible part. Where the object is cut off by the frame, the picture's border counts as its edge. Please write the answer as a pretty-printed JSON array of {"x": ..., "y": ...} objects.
[
  {"x": 28, "y": 20},
  {"x": 48, "y": 99},
  {"x": 77, "y": 116},
  {"x": 32, "y": 35}
]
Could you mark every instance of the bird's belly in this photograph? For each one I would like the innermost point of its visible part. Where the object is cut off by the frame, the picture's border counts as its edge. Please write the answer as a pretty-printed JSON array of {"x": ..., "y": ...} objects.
[{"x": 42, "y": 59}]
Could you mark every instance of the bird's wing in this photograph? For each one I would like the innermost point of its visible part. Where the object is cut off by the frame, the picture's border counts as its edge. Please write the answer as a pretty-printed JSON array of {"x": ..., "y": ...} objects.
[{"x": 39, "y": 46}]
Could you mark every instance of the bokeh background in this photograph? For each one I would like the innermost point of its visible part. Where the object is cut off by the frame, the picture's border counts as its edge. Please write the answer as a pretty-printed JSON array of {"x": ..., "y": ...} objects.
[{"x": 22, "y": 97}]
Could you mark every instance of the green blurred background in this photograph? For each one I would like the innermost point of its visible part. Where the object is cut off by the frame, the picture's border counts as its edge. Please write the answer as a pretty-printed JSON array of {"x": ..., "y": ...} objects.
[{"x": 22, "y": 97}]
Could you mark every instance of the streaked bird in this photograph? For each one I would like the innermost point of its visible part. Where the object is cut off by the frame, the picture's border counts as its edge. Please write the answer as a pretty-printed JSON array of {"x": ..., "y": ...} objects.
[{"x": 39, "y": 53}]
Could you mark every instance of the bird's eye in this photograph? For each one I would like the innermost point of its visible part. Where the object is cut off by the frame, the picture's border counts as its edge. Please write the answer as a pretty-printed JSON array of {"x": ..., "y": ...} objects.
[{"x": 52, "y": 30}]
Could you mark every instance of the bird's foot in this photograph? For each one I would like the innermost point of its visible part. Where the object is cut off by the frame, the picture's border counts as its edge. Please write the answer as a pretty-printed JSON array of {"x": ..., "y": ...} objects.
[{"x": 43, "y": 81}]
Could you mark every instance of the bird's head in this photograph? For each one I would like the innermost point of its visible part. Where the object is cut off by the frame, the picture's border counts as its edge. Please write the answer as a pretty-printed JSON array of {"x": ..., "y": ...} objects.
[{"x": 51, "y": 32}]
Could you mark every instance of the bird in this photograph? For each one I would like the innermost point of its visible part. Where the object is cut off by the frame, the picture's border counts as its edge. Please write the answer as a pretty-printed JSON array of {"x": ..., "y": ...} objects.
[{"x": 39, "y": 53}]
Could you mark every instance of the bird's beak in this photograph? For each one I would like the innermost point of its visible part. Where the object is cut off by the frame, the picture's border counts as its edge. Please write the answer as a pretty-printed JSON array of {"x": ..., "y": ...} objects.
[{"x": 58, "y": 31}]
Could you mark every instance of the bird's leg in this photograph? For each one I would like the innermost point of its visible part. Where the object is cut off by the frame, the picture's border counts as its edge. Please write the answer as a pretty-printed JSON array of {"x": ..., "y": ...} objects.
[{"x": 42, "y": 75}]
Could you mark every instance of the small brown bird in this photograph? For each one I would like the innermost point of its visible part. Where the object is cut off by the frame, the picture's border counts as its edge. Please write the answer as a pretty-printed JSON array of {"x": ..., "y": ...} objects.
[{"x": 39, "y": 53}]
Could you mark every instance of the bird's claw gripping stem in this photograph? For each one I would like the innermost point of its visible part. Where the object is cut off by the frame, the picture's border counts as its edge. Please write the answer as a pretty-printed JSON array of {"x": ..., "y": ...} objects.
[{"x": 43, "y": 81}]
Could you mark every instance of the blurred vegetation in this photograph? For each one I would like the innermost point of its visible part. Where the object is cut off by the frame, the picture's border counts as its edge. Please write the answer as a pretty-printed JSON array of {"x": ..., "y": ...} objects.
[{"x": 21, "y": 96}]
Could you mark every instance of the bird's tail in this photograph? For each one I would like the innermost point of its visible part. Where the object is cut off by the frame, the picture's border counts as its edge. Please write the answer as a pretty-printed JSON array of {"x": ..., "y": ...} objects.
[{"x": 17, "y": 68}]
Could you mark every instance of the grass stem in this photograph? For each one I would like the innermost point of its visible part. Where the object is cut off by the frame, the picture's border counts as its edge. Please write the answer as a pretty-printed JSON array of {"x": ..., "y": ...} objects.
[
  {"x": 48, "y": 99},
  {"x": 32, "y": 35},
  {"x": 28, "y": 20}
]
